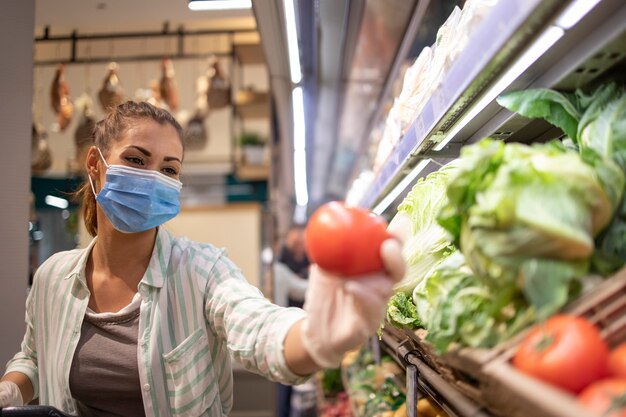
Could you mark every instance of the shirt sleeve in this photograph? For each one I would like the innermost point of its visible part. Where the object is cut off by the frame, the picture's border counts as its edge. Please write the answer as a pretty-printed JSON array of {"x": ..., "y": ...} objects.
[
  {"x": 255, "y": 329},
  {"x": 25, "y": 361}
]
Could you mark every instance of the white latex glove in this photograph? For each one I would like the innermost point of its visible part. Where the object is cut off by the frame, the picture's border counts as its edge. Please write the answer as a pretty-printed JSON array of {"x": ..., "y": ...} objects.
[
  {"x": 10, "y": 395},
  {"x": 342, "y": 313}
]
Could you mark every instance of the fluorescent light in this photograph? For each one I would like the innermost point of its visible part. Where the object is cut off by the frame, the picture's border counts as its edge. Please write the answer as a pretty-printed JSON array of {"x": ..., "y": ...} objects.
[
  {"x": 57, "y": 202},
  {"x": 292, "y": 42},
  {"x": 299, "y": 168},
  {"x": 299, "y": 215},
  {"x": 406, "y": 181},
  {"x": 548, "y": 38},
  {"x": 297, "y": 103},
  {"x": 574, "y": 12},
  {"x": 299, "y": 147},
  {"x": 197, "y": 5}
]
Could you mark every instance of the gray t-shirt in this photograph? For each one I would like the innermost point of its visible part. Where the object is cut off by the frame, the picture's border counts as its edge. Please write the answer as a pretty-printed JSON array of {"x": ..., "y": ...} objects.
[{"x": 104, "y": 377}]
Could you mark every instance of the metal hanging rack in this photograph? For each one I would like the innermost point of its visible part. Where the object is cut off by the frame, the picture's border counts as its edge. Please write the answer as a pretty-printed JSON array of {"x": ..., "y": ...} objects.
[{"x": 180, "y": 34}]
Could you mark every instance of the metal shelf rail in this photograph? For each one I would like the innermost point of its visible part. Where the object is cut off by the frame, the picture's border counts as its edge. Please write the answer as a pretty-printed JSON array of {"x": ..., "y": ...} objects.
[
  {"x": 544, "y": 43},
  {"x": 421, "y": 378}
]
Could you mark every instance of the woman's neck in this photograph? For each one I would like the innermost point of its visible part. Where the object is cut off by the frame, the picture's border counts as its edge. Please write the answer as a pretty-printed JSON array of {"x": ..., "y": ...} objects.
[{"x": 123, "y": 255}]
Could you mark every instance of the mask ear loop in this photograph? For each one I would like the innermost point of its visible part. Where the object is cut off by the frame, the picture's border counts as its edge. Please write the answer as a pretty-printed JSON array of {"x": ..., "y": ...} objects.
[
  {"x": 102, "y": 156},
  {"x": 89, "y": 176},
  {"x": 92, "y": 187}
]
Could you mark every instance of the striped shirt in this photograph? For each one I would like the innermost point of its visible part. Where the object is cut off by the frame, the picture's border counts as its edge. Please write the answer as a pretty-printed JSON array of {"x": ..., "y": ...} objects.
[{"x": 197, "y": 312}]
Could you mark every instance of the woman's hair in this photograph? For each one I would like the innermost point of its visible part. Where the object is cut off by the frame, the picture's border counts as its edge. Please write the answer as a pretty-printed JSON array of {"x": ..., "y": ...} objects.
[{"x": 110, "y": 129}]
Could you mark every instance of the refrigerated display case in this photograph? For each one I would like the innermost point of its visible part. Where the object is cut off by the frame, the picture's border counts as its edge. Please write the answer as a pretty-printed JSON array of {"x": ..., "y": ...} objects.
[{"x": 519, "y": 44}]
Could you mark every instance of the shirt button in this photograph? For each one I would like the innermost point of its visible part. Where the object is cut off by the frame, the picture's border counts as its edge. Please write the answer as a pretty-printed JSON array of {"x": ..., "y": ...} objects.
[{"x": 146, "y": 387}]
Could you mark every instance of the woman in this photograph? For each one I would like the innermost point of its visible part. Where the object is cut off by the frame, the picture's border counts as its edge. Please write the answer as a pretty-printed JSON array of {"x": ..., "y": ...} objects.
[{"x": 142, "y": 322}]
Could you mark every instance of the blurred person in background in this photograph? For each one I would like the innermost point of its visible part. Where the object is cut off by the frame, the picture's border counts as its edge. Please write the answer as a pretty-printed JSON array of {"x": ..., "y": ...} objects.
[{"x": 293, "y": 255}]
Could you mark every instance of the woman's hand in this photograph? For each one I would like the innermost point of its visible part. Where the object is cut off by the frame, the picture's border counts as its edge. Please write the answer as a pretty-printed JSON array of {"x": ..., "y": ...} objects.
[
  {"x": 10, "y": 395},
  {"x": 343, "y": 313}
]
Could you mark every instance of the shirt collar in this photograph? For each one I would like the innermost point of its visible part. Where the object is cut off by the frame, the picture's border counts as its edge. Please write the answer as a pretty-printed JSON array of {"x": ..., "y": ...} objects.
[
  {"x": 157, "y": 268},
  {"x": 160, "y": 259},
  {"x": 79, "y": 269}
]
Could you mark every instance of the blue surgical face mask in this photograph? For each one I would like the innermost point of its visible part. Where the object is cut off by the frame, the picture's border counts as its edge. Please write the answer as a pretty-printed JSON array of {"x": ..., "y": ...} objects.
[{"x": 135, "y": 200}]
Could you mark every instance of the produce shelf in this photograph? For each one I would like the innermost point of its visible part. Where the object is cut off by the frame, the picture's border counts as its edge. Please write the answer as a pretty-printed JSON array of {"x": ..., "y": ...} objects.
[
  {"x": 346, "y": 386},
  {"x": 422, "y": 378},
  {"x": 536, "y": 47},
  {"x": 472, "y": 380}
]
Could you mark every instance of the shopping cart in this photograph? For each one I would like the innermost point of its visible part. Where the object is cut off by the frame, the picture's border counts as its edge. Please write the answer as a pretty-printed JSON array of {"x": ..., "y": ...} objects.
[{"x": 32, "y": 411}]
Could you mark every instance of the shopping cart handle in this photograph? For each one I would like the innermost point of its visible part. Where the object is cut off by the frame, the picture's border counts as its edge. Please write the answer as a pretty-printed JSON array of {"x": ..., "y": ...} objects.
[{"x": 32, "y": 411}]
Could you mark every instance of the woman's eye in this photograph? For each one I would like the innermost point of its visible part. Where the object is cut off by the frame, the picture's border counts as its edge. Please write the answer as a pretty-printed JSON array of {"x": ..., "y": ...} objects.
[
  {"x": 170, "y": 171},
  {"x": 134, "y": 160}
]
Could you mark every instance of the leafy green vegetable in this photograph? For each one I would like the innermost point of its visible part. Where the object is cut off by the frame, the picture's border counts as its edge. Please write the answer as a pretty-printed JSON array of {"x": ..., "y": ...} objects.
[
  {"x": 601, "y": 140},
  {"x": 331, "y": 382},
  {"x": 461, "y": 309},
  {"x": 525, "y": 218},
  {"x": 555, "y": 107},
  {"x": 428, "y": 242},
  {"x": 402, "y": 312}
]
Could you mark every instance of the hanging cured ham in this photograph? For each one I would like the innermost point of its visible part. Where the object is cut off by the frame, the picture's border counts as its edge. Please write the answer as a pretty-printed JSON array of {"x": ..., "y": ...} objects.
[
  {"x": 111, "y": 93},
  {"x": 60, "y": 98},
  {"x": 83, "y": 135},
  {"x": 41, "y": 157},
  {"x": 218, "y": 93},
  {"x": 196, "y": 134},
  {"x": 167, "y": 85}
]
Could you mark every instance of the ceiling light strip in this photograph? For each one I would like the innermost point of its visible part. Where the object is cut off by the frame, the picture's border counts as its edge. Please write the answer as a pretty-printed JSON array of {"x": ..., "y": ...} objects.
[
  {"x": 299, "y": 147},
  {"x": 203, "y": 5},
  {"x": 574, "y": 12},
  {"x": 547, "y": 39},
  {"x": 292, "y": 42},
  {"x": 402, "y": 185}
]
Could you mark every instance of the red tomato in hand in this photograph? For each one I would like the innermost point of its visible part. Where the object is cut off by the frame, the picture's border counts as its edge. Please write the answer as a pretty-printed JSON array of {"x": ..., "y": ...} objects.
[
  {"x": 566, "y": 351},
  {"x": 617, "y": 361},
  {"x": 604, "y": 394},
  {"x": 346, "y": 240}
]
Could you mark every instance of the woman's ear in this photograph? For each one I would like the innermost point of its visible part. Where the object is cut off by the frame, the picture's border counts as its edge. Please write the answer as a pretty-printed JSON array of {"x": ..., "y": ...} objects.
[{"x": 91, "y": 163}]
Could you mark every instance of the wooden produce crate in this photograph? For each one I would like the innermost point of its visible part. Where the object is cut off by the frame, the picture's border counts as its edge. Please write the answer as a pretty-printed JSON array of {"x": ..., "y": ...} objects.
[
  {"x": 462, "y": 368},
  {"x": 509, "y": 392}
]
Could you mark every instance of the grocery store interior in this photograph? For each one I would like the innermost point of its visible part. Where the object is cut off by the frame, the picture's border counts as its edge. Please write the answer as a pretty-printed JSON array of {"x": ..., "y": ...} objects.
[{"x": 487, "y": 133}]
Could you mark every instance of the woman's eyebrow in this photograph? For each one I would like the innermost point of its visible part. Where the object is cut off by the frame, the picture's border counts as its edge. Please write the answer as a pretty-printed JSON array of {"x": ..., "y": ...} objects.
[
  {"x": 172, "y": 158},
  {"x": 142, "y": 150},
  {"x": 148, "y": 153}
]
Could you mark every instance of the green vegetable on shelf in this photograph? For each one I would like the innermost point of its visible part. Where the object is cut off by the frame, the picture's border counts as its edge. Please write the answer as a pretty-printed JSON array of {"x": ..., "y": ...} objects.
[
  {"x": 504, "y": 235},
  {"x": 331, "y": 382},
  {"x": 428, "y": 243},
  {"x": 402, "y": 312},
  {"x": 457, "y": 307},
  {"x": 596, "y": 124},
  {"x": 525, "y": 218}
]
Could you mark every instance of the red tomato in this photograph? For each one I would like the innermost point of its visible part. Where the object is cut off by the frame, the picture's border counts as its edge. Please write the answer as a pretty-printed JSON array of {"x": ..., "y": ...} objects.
[
  {"x": 346, "y": 240},
  {"x": 566, "y": 351},
  {"x": 617, "y": 361},
  {"x": 604, "y": 394}
]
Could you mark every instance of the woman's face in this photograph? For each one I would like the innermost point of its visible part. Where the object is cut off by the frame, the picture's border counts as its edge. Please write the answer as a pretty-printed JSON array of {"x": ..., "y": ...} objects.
[{"x": 148, "y": 145}]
